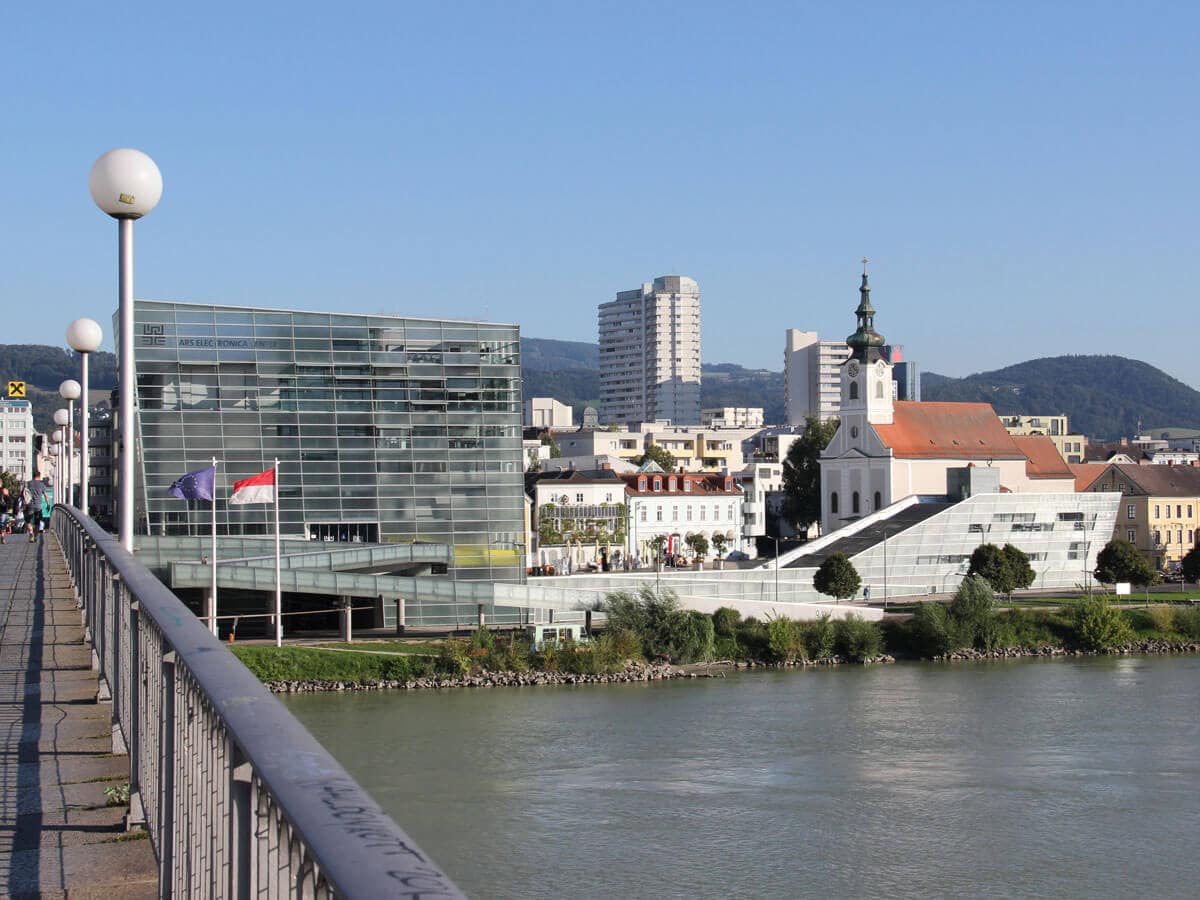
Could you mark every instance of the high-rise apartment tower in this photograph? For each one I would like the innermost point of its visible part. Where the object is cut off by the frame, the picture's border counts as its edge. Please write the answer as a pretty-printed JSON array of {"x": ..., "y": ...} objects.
[
  {"x": 812, "y": 376},
  {"x": 650, "y": 353}
]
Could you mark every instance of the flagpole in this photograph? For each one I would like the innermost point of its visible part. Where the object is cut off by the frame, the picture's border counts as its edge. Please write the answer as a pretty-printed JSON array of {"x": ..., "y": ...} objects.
[
  {"x": 278, "y": 593},
  {"x": 212, "y": 621}
]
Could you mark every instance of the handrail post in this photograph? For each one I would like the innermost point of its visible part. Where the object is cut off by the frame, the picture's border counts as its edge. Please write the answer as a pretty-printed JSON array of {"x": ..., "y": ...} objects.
[
  {"x": 118, "y": 679},
  {"x": 137, "y": 811},
  {"x": 166, "y": 779},
  {"x": 241, "y": 825}
]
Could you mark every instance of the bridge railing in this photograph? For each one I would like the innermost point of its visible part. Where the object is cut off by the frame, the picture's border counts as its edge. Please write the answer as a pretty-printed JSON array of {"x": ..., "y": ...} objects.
[{"x": 238, "y": 798}]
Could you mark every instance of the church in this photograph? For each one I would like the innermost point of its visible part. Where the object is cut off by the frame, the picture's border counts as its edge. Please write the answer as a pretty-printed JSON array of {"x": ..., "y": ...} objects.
[{"x": 886, "y": 450}]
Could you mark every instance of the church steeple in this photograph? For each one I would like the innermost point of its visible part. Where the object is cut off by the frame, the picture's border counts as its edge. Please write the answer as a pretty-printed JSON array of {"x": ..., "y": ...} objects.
[{"x": 865, "y": 343}]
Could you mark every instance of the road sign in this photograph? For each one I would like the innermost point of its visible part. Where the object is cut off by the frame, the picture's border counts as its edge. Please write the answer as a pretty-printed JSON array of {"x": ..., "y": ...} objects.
[{"x": 16, "y": 390}]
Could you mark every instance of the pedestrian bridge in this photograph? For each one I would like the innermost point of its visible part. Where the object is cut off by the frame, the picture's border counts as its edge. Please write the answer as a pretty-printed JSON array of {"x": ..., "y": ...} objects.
[{"x": 109, "y": 676}]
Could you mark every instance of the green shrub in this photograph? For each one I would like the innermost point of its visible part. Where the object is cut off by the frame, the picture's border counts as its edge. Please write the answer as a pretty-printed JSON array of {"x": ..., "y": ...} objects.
[
  {"x": 725, "y": 621},
  {"x": 1162, "y": 617},
  {"x": 1098, "y": 625},
  {"x": 819, "y": 637},
  {"x": 482, "y": 639},
  {"x": 934, "y": 632},
  {"x": 690, "y": 637},
  {"x": 857, "y": 639},
  {"x": 1187, "y": 622},
  {"x": 785, "y": 640},
  {"x": 453, "y": 659},
  {"x": 625, "y": 642},
  {"x": 973, "y": 610},
  {"x": 727, "y": 648},
  {"x": 306, "y": 664},
  {"x": 752, "y": 638}
]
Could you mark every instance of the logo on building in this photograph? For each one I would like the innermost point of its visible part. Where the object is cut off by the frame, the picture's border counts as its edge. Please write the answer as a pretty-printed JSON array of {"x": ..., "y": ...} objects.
[
  {"x": 16, "y": 390},
  {"x": 154, "y": 336}
]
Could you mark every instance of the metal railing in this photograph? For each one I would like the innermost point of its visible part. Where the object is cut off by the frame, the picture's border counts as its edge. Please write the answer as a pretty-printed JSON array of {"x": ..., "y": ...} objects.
[{"x": 238, "y": 797}]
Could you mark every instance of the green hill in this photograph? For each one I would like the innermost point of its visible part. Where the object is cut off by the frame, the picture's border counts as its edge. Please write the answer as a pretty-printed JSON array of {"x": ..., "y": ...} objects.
[
  {"x": 1104, "y": 397},
  {"x": 43, "y": 368}
]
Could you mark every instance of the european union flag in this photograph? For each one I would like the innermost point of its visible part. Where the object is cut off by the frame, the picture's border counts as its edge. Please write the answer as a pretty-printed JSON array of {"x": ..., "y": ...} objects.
[{"x": 195, "y": 485}]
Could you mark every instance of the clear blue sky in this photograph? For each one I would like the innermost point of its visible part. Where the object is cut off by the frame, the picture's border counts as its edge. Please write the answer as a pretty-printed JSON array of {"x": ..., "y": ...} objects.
[{"x": 1022, "y": 176}]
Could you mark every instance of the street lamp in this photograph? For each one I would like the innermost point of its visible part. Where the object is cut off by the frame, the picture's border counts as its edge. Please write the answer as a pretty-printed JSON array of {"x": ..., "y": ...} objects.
[
  {"x": 126, "y": 184},
  {"x": 70, "y": 390},
  {"x": 776, "y": 540},
  {"x": 84, "y": 337},
  {"x": 61, "y": 418},
  {"x": 56, "y": 437},
  {"x": 886, "y": 535}
]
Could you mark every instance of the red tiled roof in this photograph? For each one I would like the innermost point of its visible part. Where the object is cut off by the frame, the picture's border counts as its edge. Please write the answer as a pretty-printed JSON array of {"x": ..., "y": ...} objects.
[
  {"x": 922, "y": 430},
  {"x": 1086, "y": 474},
  {"x": 1042, "y": 459},
  {"x": 701, "y": 483}
]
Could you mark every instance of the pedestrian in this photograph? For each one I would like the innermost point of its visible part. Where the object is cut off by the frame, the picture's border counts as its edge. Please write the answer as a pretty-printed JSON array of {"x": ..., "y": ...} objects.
[
  {"x": 46, "y": 508},
  {"x": 8, "y": 513}
]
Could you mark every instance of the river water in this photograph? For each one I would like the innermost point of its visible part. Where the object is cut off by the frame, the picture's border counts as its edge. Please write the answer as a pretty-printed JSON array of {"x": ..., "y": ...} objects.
[{"x": 1031, "y": 778}]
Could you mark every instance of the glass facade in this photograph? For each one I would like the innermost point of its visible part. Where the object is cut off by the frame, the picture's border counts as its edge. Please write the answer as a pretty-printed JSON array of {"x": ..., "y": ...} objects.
[{"x": 389, "y": 429}]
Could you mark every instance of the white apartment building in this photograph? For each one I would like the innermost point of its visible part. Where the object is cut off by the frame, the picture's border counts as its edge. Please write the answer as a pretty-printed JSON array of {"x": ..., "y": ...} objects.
[
  {"x": 546, "y": 412},
  {"x": 650, "y": 353},
  {"x": 16, "y": 438},
  {"x": 732, "y": 417},
  {"x": 812, "y": 376}
]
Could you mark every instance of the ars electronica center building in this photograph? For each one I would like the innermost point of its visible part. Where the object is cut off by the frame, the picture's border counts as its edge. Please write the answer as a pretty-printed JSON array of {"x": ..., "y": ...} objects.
[{"x": 387, "y": 429}]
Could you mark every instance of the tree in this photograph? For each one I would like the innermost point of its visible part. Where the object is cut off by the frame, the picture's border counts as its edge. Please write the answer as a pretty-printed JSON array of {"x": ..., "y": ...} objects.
[
  {"x": 12, "y": 482},
  {"x": 973, "y": 610},
  {"x": 720, "y": 542},
  {"x": 837, "y": 577},
  {"x": 993, "y": 565},
  {"x": 1100, "y": 626},
  {"x": 1018, "y": 563},
  {"x": 1191, "y": 565},
  {"x": 699, "y": 544},
  {"x": 802, "y": 473},
  {"x": 658, "y": 455},
  {"x": 1121, "y": 561},
  {"x": 657, "y": 543},
  {"x": 549, "y": 441}
]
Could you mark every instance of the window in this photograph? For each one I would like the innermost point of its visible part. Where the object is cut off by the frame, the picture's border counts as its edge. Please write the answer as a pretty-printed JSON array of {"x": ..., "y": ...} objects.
[
  {"x": 854, "y": 502},
  {"x": 1157, "y": 537},
  {"x": 579, "y": 498},
  {"x": 658, "y": 514},
  {"x": 642, "y": 517},
  {"x": 674, "y": 513},
  {"x": 687, "y": 486},
  {"x": 730, "y": 512},
  {"x": 1156, "y": 510},
  {"x": 702, "y": 514},
  {"x": 642, "y": 483},
  {"x": 1178, "y": 511},
  {"x": 1189, "y": 510},
  {"x": 689, "y": 514},
  {"x": 854, "y": 390},
  {"x": 1191, "y": 538},
  {"x": 1168, "y": 537},
  {"x": 833, "y": 506},
  {"x": 878, "y": 500},
  {"x": 1179, "y": 536},
  {"x": 1129, "y": 511},
  {"x": 657, "y": 483},
  {"x": 1131, "y": 535},
  {"x": 671, "y": 483}
]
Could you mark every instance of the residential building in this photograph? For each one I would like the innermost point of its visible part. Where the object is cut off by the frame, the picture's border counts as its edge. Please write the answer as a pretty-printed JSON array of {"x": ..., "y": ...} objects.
[
  {"x": 812, "y": 376},
  {"x": 100, "y": 465},
  {"x": 703, "y": 449},
  {"x": 674, "y": 505},
  {"x": 386, "y": 429},
  {"x": 886, "y": 450},
  {"x": 762, "y": 490},
  {"x": 16, "y": 438},
  {"x": 583, "y": 442},
  {"x": 1072, "y": 447},
  {"x": 546, "y": 412},
  {"x": 906, "y": 377},
  {"x": 573, "y": 508},
  {"x": 732, "y": 417},
  {"x": 650, "y": 353},
  {"x": 1160, "y": 509}
]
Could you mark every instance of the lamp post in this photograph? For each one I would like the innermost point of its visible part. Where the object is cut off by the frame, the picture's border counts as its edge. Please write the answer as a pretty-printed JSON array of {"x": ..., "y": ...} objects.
[
  {"x": 61, "y": 418},
  {"x": 886, "y": 535},
  {"x": 70, "y": 390},
  {"x": 776, "y": 540},
  {"x": 84, "y": 337},
  {"x": 56, "y": 437},
  {"x": 126, "y": 184}
]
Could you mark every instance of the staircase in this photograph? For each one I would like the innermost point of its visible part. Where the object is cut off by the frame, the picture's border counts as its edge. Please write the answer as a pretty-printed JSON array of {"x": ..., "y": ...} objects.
[{"x": 869, "y": 536}]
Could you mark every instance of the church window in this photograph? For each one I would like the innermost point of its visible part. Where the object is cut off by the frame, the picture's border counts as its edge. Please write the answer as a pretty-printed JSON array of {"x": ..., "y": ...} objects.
[
  {"x": 878, "y": 498},
  {"x": 854, "y": 390},
  {"x": 833, "y": 502},
  {"x": 879, "y": 390},
  {"x": 854, "y": 502},
  {"x": 853, "y": 431}
]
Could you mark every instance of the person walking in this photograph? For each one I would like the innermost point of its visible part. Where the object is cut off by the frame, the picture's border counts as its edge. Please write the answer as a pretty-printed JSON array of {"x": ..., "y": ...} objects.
[
  {"x": 46, "y": 508},
  {"x": 32, "y": 503},
  {"x": 9, "y": 506}
]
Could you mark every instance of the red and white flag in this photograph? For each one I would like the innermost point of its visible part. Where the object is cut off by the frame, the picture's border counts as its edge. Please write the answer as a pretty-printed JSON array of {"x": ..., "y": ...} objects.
[{"x": 258, "y": 488}]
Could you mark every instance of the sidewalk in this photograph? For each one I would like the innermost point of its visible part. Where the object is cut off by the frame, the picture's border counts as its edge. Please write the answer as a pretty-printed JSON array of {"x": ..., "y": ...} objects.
[{"x": 58, "y": 838}]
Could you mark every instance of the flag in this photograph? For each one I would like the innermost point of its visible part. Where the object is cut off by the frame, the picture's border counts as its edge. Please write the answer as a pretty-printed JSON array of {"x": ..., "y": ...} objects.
[
  {"x": 258, "y": 488},
  {"x": 197, "y": 485}
]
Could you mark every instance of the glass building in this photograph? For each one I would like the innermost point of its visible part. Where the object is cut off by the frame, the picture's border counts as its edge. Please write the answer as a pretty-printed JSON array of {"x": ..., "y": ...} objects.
[{"x": 386, "y": 429}]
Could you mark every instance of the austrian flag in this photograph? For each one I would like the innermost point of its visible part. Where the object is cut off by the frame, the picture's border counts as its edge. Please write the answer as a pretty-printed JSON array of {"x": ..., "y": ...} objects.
[{"x": 258, "y": 488}]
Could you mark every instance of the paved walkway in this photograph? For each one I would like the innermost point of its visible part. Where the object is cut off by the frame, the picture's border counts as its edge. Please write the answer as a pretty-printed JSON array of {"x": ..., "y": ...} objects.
[{"x": 58, "y": 838}]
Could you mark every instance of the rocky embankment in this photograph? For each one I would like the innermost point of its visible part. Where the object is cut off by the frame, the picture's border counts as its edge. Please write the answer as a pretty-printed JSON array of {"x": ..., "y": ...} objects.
[
  {"x": 633, "y": 672},
  {"x": 1135, "y": 647}
]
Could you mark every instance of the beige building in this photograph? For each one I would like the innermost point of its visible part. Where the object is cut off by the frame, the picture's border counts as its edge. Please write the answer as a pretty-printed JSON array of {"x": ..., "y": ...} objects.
[
  {"x": 732, "y": 417},
  {"x": 621, "y": 443},
  {"x": 812, "y": 376},
  {"x": 546, "y": 412},
  {"x": 703, "y": 449},
  {"x": 1159, "y": 507},
  {"x": 1070, "y": 446},
  {"x": 650, "y": 353}
]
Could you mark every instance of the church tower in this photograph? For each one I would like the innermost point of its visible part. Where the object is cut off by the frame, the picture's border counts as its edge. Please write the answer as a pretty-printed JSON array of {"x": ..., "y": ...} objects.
[{"x": 866, "y": 375}]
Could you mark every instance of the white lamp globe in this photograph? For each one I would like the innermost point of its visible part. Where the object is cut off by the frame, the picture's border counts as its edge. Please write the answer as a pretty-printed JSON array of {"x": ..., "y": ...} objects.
[
  {"x": 70, "y": 389},
  {"x": 61, "y": 417},
  {"x": 57, "y": 436},
  {"x": 125, "y": 183},
  {"x": 84, "y": 335}
]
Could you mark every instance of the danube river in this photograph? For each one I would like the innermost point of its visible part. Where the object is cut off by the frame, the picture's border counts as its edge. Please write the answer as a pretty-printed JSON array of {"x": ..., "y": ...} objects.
[{"x": 1057, "y": 778}]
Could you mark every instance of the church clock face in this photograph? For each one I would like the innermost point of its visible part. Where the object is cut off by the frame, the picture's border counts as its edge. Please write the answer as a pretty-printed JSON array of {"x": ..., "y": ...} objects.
[{"x": 853, "y": 368}]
